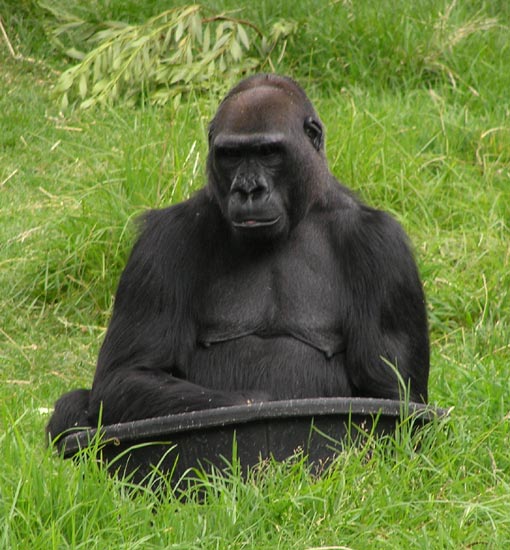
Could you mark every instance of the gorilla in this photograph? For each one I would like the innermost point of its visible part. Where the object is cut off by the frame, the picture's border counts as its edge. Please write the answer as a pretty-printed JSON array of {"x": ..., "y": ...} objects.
[{"x": 272, "y": 282}]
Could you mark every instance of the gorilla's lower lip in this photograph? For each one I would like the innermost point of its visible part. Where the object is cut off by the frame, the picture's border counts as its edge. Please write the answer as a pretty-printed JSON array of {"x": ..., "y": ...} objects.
[{"x": 253, "y": 223}]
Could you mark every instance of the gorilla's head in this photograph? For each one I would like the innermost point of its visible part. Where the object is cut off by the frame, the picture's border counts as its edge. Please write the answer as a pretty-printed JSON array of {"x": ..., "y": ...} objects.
[{"x": 266, "y": 160}]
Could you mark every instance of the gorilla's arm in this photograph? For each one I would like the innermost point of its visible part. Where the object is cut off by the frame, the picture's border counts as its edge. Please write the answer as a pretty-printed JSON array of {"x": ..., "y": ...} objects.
[
  {"x": 152, "y": 329},
  {"x": 386, "y": 317}
]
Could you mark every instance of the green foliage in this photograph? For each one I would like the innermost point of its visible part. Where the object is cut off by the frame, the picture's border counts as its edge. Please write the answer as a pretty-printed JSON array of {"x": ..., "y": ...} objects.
[
  {"x": 24, "y": 25},
  {"x": 168, "y": 55},
  {"x": 396, "y": 44},
  {"x": 417, "y": 123}
]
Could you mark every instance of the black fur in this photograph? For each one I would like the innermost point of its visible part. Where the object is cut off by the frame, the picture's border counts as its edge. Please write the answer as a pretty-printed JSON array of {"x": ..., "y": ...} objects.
[{"x": 272, "y": 282}]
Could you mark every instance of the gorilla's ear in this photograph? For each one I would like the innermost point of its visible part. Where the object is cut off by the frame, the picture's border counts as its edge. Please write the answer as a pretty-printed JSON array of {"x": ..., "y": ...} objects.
[
  {"x": 210, "y": 132},
  {"x": 313, "y": 130}
]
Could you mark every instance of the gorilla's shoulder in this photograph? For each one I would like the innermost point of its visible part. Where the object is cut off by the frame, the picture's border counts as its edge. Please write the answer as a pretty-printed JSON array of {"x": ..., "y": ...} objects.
[
  {"x": 353, "y": 220},
  {"x": 171, "y": 217},
  {"x": 169, "y": 234}
]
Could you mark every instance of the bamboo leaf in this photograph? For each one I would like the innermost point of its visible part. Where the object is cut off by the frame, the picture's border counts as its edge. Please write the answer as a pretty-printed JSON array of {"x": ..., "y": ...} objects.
[
  {"x": 178, "y": 75},
  {"x": 179, "y": 31},
  {"x": 243, "y": 37},
  {"x": 235, "y": 50},
  {"x": 97, "y": 68},
  {"x": 189, "y": 54},
  {"x": 164, "y": 57},
  {"x": 167, "y": 40},
  {"x": 219, "y": 31},
  {"x": 147, "y": 60},
  {"x": 138, "y": 42},
  {"x": 222, "y": 40},
  {"x": 87, "y": 103},
  {"x": 196, "y": 27},
  {"x": 83, "y": 86},
  {"x": 99, "y": 86},
  {"x": 207, "y": 39},
  {"x": 115, "y": 57},
  {"x": 66, "y": 80},
  {"x": 75, "y": 54},
  {"x": 107, "y": 34}
]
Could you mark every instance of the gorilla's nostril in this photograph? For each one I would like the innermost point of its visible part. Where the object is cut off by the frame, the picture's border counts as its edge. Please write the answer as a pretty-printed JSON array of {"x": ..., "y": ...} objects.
[
  {"x": 249, "y": 187},
  {"x": 258, "y": 192}
]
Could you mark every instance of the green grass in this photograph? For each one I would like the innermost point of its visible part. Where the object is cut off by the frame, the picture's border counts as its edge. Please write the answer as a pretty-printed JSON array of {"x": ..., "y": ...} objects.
[{"x": 418, "y": 123}]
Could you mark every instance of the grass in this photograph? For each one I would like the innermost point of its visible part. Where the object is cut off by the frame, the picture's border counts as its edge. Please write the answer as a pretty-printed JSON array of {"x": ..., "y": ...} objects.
[{"x": 415, "y": 100}]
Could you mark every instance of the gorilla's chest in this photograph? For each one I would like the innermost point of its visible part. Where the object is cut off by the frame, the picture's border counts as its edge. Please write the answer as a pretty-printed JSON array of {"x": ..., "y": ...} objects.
[{"x": 293, "y": 293}]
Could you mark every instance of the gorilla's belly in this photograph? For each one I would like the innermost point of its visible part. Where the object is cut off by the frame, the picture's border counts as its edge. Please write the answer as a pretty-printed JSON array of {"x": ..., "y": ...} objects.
[{"x": 283, "y": 366}]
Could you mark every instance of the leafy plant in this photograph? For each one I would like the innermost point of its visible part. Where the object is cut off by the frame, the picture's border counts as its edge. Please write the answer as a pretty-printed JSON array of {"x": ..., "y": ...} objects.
[{"x": 164, "y": 57}]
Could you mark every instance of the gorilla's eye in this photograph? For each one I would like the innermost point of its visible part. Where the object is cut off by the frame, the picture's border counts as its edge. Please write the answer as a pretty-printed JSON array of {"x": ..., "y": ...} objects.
[
  {"x": 227, "y": 152},
  {"x": 269, "y": 153},
  {"x": 314, "y": 131},
  {"x": 266, "y": 150},
  {"x": 228, "y": 156}
]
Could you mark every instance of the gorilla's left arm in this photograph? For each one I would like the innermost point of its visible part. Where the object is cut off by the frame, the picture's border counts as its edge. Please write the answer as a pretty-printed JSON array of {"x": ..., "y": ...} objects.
[
  {"x": 385, "y": 315},
  {"x": 153, "y": 326}
]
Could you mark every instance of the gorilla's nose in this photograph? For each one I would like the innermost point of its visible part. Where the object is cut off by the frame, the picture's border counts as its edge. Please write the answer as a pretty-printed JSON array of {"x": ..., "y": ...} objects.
[{"x": 249, "y": 187}]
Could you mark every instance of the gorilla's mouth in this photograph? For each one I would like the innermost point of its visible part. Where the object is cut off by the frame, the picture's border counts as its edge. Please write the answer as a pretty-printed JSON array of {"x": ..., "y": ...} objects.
[{"x": 252, "y": 223}]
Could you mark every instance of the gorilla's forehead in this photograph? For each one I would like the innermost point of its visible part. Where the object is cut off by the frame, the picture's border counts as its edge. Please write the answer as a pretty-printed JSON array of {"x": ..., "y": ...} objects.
[{"x": 260, "y": 110}]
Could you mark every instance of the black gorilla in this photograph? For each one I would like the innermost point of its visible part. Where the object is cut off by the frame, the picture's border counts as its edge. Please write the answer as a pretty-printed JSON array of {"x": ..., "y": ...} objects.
[{"x": 272, "y": 282}]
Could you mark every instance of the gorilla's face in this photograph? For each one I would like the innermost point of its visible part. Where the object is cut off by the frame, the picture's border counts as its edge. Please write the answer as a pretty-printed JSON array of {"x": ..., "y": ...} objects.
[
  {"x": 265, "y": 146},
  {"x": 251, "y": 165}
]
